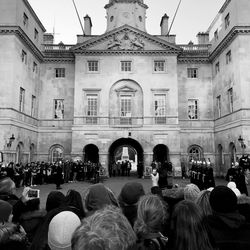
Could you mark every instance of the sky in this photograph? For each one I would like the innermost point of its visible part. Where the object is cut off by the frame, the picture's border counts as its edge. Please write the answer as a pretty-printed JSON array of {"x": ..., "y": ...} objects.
[{"x": 193, "y": 16}]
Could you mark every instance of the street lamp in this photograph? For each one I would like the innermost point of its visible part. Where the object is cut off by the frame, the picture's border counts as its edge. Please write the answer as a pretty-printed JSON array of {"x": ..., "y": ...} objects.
[{"x": 11, "y": 139}]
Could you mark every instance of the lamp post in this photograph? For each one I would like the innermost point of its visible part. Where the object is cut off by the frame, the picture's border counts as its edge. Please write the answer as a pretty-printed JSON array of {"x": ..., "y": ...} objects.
[
  {"x": 242, "y": 144},
  {"x": 11, "y": 139}
]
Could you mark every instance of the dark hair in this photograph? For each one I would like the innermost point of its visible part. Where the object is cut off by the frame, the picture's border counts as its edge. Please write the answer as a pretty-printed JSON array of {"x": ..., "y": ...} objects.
[
  {"x": 55, "y": 199},
  {"x": 189, "y": 228},
  {"x": 33, "y": 204},
  {"x": 74, "y": 199}
]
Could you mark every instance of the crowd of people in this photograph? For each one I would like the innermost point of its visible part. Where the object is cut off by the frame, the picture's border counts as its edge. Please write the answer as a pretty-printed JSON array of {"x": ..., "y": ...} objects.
[
  {"x": 175, "y": 218},
  {"x": 38, "y": 173}
]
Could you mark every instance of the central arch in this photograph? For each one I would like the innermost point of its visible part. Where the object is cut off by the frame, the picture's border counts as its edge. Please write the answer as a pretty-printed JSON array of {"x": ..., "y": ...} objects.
[{"x": 133, "y": 148}]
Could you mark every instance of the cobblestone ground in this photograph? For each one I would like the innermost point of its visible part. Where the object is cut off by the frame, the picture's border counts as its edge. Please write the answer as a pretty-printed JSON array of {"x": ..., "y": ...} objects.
[{"x": 114, "y": 183}]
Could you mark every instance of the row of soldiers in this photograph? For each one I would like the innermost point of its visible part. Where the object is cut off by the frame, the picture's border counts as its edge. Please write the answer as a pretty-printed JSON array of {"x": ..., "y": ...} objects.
[
  {"x": 201, "y": 174},
  {"x": 38, "y": 173}
]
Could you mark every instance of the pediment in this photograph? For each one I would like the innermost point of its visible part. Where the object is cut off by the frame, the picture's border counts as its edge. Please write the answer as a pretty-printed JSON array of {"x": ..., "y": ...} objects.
[
  {"x": 124, "y": 39},
  {"x": 125, "y": 89}
]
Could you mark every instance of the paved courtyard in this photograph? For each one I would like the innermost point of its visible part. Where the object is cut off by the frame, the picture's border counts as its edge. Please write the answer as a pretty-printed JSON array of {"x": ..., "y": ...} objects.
[{"x": 114, "y": 183}]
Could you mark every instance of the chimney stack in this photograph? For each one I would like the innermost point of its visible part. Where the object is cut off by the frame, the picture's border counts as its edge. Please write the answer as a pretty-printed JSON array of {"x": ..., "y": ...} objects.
[
  {"x": 203, "y": 38},
  {"x": 164, "y": 25},
  {"x": 87, "y": 25}
]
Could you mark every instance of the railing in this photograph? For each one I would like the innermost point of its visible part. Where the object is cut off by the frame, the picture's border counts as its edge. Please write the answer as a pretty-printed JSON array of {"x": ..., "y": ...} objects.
[
  {"x": 125, "y": 121},
  {"x": 195, "y": 47},
  {"x": 57, "y": 47}
]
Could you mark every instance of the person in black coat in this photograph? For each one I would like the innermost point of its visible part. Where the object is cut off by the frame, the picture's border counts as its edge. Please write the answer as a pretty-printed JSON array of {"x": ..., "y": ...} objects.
[{"x": 58, "y": 177}]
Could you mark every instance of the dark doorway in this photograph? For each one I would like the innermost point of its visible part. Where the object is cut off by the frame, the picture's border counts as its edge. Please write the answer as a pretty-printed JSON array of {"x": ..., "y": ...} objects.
[
  {"x": 132, "y": 148},
  {"x": 160, "y": 153},
  {"x": 91, "y": 153}
]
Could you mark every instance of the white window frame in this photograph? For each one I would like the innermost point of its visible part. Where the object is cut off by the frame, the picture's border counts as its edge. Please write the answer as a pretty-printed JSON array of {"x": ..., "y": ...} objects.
[
  {"x": 160, "y": 114},
  {"x": 24, "y": 56},
  {"x": 230, "y": 100},
  {"x": 217, "y": 68},
  {"x": 125, "y": 101},
  {"x": 195, "y": 152},
  {"x": 36, "y": 34},
  {"x": 192, "y": 72},
  {"x": 159, "y": 66},
  {"x": 227, "y": 20},
  {"x": 21, "y": 99},
  {"x": 92, "y": 110},
  {"x": 218, "y": 104},
  {"x": 25, "y": 20},
  {"x": 58, "y": 109},
  {"x": 126, "y": 66},
  {"x": 33, "y": 105},
  {"x": 228, "y": 57},
  {"x": 60, "y": 72},
  {"x": 196, "y": 109},
  {"x": 93, "y": 66}
]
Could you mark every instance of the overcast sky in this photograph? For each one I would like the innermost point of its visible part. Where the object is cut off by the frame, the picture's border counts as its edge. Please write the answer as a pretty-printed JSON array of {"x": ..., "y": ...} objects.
[{"x": 193, "y": 16}]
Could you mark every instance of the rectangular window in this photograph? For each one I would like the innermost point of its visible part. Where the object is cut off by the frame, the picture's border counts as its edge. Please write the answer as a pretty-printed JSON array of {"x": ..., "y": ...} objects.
[
  {"x": 93, "y": 66},
  {"x": 218, "y": 103},
  {"x": 160, "y": 108},
  {"x": 92, "y": 108},
  {"x": 217, "y": 67},
  {"x": 35, "y": 34},
  {"x": 125, "y": 109},
  {"x": 230, "y": 100},
  {"x": 227, "y": 21},
  {"x": 126, "y": 66},
  {"x": 228, "y": 57},
  {"x": 216, "y": 36},
  {"x": 33, "y": 105},
  {"x": 192, "y": 109},
  {"x": 21, "y": 99},
  {"x": 25, "y": 19},
  {"x": 58, "y": 109},
  {"x": 192, "y": 73},
  {"x": 24, "y": 57},
  {"x": 34, "y": 67},
  {"x": 60, "y": 72},
  {"x": 159, "y": 66}
]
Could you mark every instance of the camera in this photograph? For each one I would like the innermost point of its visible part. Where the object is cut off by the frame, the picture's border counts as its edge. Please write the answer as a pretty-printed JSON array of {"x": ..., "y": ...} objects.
[{"x": 33, "y": 193}]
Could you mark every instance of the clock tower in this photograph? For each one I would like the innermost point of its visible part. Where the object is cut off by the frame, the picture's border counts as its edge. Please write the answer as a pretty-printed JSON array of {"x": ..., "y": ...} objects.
[{"x": 130, "y": 12}]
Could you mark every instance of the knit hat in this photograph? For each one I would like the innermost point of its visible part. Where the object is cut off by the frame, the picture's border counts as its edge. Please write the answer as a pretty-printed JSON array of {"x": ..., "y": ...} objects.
[
  {"x": 131, "y": 193},
  {"x": 223, "y": 200},
  {"x": 233, "y": 187},
  {"x": 191, "y": 192},
  {"x": 61, "y": 229},
  {"x": 5, "y": 210}
]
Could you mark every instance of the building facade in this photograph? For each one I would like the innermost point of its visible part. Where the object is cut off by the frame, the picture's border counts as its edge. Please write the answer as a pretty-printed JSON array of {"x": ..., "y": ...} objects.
[{"x": 124, "y": 88}]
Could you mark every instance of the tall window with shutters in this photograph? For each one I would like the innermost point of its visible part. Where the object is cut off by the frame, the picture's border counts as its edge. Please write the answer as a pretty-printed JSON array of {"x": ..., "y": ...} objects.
[
  {"x": 160, "y": 108},
  {"x": 92, "y": 105},
  {"x": 125, "y": 109},
  {"x": 192, "y": 109}
]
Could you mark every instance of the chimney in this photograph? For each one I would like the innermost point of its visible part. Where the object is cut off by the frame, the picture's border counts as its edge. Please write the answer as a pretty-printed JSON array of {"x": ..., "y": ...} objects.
[
  {"x": 87, "y": 25},
  {"x": 203, "y": 38},
  {"x": 164, "y": 25}
]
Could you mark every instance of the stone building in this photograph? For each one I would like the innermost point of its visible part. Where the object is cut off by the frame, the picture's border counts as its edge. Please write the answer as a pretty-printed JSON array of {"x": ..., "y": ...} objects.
[{"x": 124, "y": 88}]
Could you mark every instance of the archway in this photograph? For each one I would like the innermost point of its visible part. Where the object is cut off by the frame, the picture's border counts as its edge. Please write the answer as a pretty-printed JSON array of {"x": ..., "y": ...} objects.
[
  {"x": 161, "y": 153},
  {"x": 56, "y": 153},
  {"x": 91, "y": 153},
  {"x": 126, "y": 149}
]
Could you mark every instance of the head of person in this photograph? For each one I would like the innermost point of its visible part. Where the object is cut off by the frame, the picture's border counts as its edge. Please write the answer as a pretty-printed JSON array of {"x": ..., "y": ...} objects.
[
  {"x": 5, "y": 211},
  {"x": 106, "y": 229},
  {"x": 61, "y": 229},
  {"x": 189, "y": 228},
  {"x": 7, "y": 186},
  {"x": 203, "y": 202},
  {"x": 151, "y": 215},
  {"x": 98, "y": 196},
  {"x": 232, "y": 186},
  {"x": 54, "y": 200},
  {"x": 223, "y": 200},
  {"x": 191, "y": 192},
  {"x": 74, "y": 199}
]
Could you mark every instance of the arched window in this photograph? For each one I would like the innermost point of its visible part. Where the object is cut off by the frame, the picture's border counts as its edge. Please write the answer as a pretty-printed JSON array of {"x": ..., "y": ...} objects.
[
  {"x": 56, "y": 153},
  {"x": 195, "y": 153}
]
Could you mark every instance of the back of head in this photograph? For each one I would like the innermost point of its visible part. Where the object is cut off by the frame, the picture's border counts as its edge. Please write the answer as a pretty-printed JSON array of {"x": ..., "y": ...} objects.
[
  {"x": 106, "y": 229},
  {"x": 61, "y": 228},
  {"x": 189, "y": 228},
  {"x": 55, "y": 199},
  {"x": 7, "y": 186},
  {"x": 191, "y": 192},
  {"x": 151, "y": 214},
  {"x": 5, "y": 211},
  {"x": 223, "y": 200},
  {"x": 98, "y": 196},
  {"x": 203, "y": 202}
]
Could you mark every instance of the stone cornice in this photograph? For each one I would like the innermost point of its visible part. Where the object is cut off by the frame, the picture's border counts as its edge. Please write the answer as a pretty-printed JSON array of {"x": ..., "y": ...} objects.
[
  {"x": 58, "y": 60},
  {"x": 16, "y": 30},
  {"x": 125, "y": 1},
  {"x": 236, "y": 30},
  {"x": 198, "y": 60}
]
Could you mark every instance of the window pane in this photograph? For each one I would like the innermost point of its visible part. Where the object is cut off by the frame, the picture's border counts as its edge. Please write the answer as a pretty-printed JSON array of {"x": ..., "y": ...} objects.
[
  {"x": 193, "y": 109},
  {"x": 125, "y": 109},
  {"x": 160, "y": 108},
  {"x": 126, "y": 65},
  {"x": 159, "y": 66},
  {"x": 60, "y": 72},
  {"x": 192, "y": 72},
  {"x": 93, "y": 66},
  {"x": 92, "y": 109},
  {"x": 58, "y": 109}
]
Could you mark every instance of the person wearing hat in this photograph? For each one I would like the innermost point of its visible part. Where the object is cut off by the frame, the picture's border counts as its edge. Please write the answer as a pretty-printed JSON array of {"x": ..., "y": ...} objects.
[
  {"x": 128, "y": 199},
  {"x": 228, "y": 227}
]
